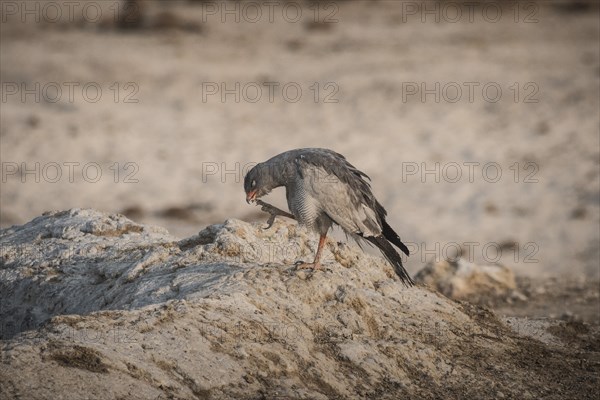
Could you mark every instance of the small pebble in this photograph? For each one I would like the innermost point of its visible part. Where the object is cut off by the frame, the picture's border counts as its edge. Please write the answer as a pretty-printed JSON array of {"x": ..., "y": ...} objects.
[{"x": 303, "y": 274}]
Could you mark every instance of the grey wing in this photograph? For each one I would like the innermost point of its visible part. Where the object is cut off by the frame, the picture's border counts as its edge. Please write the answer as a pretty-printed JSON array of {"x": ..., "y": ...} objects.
[
  {"x": 334, "y": 163},
  {"x": 344, "y": 204}
]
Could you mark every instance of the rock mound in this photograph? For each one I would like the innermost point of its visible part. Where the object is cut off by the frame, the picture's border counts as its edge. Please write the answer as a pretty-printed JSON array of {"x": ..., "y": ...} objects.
[
  {"x": 96, "y": 306},
  {"x": 462, "y": 280}
]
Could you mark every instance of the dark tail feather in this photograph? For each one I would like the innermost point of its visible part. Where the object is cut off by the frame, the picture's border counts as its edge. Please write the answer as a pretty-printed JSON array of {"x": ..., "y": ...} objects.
[
  {"x": 393, "y": 237},
  {"x": 393, "y": 257}
]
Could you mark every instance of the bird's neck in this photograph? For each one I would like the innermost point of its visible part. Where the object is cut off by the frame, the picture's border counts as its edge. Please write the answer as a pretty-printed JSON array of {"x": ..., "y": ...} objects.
[
  {"x": 277, "y": 173},
  {"x": 280, "y": 176}
]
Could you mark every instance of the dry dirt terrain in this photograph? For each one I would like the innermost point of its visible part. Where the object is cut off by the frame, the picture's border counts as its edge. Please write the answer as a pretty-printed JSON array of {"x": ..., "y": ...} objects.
[{"x": 97, "y": 306}]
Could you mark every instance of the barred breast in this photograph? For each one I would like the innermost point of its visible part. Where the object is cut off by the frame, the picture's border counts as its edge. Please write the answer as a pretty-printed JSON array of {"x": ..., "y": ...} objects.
[{"x": 302, "y": 205}]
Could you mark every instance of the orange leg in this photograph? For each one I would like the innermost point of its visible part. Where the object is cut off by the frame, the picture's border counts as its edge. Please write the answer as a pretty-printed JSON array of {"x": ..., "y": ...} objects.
[{"x": 316, "y": 264}]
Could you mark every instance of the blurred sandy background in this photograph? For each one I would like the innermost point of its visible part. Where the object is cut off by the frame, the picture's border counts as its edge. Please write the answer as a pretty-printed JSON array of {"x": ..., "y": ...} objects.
[{"x": 172, "y": 152}]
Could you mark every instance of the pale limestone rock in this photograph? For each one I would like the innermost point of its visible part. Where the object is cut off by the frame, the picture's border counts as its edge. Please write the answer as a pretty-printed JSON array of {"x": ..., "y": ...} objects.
[
  {"x": 463, "y": 280},
  {"x": 96, "y": 306}
]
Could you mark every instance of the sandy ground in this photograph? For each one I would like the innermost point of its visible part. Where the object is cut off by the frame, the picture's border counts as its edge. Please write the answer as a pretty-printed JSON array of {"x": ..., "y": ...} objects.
[{"x": 172, "y": 153}]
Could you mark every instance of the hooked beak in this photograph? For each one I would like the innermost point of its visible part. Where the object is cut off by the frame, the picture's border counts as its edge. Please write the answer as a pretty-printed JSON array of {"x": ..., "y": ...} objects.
[{"x": 251, "y": 196}]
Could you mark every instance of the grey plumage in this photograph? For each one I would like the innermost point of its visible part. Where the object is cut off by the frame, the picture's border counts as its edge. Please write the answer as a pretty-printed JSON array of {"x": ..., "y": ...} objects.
[{"x": 323, "y": 188}]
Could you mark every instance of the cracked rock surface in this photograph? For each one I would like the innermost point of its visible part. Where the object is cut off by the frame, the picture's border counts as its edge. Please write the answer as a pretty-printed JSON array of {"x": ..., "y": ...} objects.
[{"x": 96, "y": 306}]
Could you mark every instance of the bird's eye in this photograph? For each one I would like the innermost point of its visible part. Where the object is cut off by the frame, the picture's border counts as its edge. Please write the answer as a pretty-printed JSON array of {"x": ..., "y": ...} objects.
[{"x": 253, "y": 183}]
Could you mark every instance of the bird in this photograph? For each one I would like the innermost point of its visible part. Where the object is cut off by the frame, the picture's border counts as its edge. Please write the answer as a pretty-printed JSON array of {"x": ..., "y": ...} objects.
[{"x": 323, "y": 189}]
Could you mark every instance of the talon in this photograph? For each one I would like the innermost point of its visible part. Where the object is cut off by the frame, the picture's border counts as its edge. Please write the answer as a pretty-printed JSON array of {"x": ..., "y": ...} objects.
[
  {"x": 312, "y": 266},
  {"x": 270, "y": 222}
]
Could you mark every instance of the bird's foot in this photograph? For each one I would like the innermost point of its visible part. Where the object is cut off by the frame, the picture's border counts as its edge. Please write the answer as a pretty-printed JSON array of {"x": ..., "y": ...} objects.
[
  {"x": 314, "y": 266},
  {"x": 270, "y": 222},
  {"x": 274, "y": 211}
]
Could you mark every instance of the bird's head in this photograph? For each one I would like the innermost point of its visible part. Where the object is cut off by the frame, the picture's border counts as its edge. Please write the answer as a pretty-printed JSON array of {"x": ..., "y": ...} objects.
[{"x": 258, "y": 182}]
